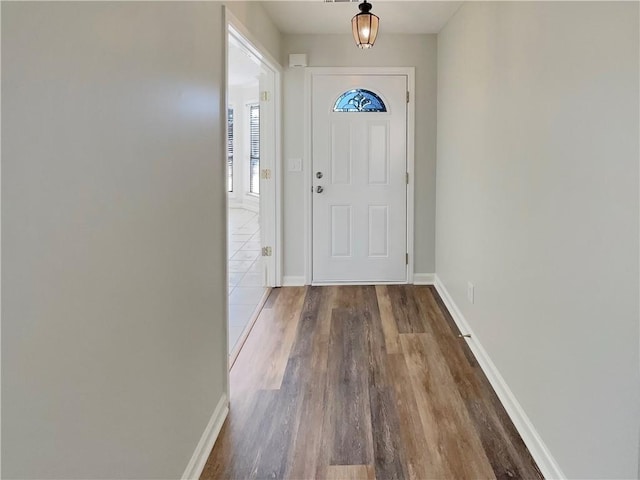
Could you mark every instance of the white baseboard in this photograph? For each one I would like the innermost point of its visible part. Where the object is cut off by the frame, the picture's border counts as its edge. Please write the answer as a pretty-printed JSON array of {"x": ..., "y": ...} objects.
[
  {"x": 418, "y": 279},
  {"x": 541, "y": 454},
  {"x": 357, "y": 284},
  {"x": 205, "y": 445},
  {"x": 292, "y": 281},
  {"x": 423, "y": 278}
]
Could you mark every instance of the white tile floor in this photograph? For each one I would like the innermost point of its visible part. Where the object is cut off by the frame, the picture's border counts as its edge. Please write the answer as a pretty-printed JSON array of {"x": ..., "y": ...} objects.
[{"x": 245, "y": 270}]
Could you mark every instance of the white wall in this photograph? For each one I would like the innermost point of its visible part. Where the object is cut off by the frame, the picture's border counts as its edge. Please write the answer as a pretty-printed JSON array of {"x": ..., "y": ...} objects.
[
  {"x": 417, "y": 51},
  {"x": 537, "y": 205},
  {"x": 113, "y": 262},
  {"x": 255, "y": 19}
]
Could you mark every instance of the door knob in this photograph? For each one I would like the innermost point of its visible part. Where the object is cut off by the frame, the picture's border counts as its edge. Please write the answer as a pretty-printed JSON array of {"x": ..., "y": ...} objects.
[
  {"x": 319, "y": 189},
  {"x": 318, "y": 174}
]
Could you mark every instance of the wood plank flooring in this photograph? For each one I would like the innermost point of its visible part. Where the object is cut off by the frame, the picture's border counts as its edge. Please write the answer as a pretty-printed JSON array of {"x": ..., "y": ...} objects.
[{"x": 362, "y": 382}]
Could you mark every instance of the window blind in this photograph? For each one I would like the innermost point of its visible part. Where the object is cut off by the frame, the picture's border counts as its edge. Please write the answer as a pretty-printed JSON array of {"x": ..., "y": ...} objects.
[
  {"x": 230, "y": 149},
  {"x": 254, "y": 148}
]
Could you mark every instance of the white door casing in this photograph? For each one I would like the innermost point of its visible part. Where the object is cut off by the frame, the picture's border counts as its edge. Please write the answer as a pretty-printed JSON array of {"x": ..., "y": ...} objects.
[
  {"x": 359, "y": 220},
  {"x": 268, "y": 171}
]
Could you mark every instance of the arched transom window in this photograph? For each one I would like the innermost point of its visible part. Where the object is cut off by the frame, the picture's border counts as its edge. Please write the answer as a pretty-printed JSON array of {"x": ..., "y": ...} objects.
[{"x": 359, "y": 100}]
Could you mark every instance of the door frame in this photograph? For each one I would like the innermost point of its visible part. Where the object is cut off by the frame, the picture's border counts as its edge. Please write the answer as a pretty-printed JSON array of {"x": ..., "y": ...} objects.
[
  {"x": 271, "y": 207},
  {"x": 310, "y": 72}
]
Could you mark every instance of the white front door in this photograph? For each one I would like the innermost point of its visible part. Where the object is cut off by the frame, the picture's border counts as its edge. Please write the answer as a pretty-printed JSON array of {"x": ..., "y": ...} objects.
[{"x": 359, "y": 178}]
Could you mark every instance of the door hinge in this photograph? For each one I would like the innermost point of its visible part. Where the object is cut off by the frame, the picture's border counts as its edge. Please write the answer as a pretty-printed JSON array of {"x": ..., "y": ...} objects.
[
  {"x": 265, "y": 174},
  {"x": 407, "y": 97},
  {"x": 407, "y": 178},
  {"x": 266, "y": 251},
  {"x": 265, "y": 96},
  {"x": 406, "y": 259}
]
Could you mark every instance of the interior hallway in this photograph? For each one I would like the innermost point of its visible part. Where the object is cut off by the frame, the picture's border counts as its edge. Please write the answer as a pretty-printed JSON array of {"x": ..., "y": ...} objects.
[{"x": 362, "y": 382}]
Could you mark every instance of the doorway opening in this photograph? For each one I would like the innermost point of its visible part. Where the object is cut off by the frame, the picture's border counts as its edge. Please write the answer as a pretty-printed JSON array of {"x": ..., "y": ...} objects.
[{"x": 252, "y": 150}]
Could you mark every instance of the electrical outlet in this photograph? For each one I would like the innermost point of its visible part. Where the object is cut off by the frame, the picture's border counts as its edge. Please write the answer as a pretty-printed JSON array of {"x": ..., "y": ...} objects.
[{"x": 470, "y": 292}]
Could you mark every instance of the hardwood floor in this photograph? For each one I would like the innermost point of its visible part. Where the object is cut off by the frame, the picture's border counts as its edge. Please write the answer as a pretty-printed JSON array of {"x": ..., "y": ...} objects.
[{"x": 362, "y": 383}]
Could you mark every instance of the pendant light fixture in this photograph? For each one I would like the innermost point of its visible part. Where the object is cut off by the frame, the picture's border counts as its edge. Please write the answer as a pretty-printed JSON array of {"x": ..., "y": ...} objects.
[{"x": 365, "y": 26}]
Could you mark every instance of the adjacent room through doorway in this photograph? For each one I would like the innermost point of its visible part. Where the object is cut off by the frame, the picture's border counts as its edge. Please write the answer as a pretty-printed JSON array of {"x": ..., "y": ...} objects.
[{"x": 247, "y": 285}]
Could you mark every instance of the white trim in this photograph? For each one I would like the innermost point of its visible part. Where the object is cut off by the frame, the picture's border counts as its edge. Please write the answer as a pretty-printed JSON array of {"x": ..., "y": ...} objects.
[
  {"x": 423, "y": 278},
  {"x": 293, "y": 281},
  {"x": 409, "y": 72},
  {"x": 0, "y": 257},
  {"x": 224, "y": 102},
  {"x": 411, "y": 125},
  {"x": 541, "y": 454},
  {"x": 277, "y": 179},
  {"x": 307, "y": 178},
  {"x": 205, "y": 445},
  {"x": 329, "y": 284},
  {"x": 256, "y": 47}
]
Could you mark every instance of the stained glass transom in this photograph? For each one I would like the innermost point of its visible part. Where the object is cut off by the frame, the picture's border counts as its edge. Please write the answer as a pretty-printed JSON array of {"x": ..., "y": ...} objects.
[{"x": 359, "y": 100}]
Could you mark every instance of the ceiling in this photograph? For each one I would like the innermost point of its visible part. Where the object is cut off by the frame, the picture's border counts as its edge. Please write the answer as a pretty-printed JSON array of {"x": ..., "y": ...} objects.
[{"x": 319, "y": 17}]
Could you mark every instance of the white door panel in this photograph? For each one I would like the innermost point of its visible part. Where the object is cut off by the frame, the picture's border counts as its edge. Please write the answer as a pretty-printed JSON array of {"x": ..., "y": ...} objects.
[{"x": 359, "y": 218}]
